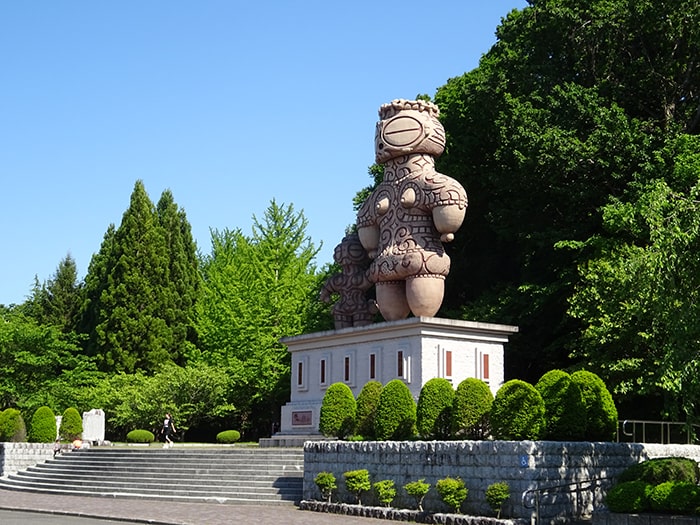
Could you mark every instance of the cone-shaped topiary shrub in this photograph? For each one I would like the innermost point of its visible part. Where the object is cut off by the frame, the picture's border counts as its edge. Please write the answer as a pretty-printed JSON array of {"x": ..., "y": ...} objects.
[
  {"x": 471, "y": 409},
  {"x": 338, "y": 409},
  {"x": 396, "y": 414},
  {"x": 564, "y": 409},
  {"x": 517, "y": 412},
  {"x": 228, "y": 436},
  {"x": 367, "y": 403},
  {"x": 601, "y": 413},
  {"x": 42, "y": 428},
  {"x": 434, "y": 410},
  {"x": 140, "y": 436},
  {"x": 71, "y": 425},
  {"x": 12, "y": 427}
]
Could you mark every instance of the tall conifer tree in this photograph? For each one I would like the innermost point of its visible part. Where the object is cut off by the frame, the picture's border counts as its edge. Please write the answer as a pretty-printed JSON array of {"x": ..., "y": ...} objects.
[{"x": 129, "y": 311}]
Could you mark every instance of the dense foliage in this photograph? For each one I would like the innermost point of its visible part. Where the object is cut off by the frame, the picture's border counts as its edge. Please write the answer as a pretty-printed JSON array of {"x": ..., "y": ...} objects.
[
  {"x": 12, "y": 426},
  {"x": 518, "y": 412},
  {"x": 629, "y": 497},
  {"x": 601, "y": 412},
  {"x": 385, "y": 491},
  {"x": 564, "y": 408},
  {"x": 660, "y": 470},
  {"x": 472, "y": 409},
  {"x": 452, "y": 491},
  {"x": 357, "y": 482},
  {"x": 367, "y": 403},
  {"x": 434, "y": 410},
  {"x": 496, "y": 495},
  {"x": 140, "y": 436},
  {"x": 42, "y": 428},
  {"x": 71, "y": 426},
  {"x": 396, "y": 413},
  {"x": 417, "y": 490},
  {"x": 326, "y": 483},
  {"x": 228, "y": 437},
  {"x": 337, "y": 415}
]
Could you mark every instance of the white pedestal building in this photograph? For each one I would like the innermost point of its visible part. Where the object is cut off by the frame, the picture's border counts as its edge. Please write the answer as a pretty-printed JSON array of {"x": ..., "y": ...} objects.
[{"x": 414, "y": 350}]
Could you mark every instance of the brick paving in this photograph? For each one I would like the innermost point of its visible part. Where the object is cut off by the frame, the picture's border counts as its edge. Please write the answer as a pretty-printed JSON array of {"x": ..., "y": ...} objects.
[{"x": 171, "y": 513}]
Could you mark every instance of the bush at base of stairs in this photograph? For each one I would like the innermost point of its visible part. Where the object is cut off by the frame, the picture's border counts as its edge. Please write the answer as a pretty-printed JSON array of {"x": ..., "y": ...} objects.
[
  {"x": 12, "y": 427},
  {"x": 228, "y": 436},
  {"x": 42, "y": 429},
  {"x": 140, "y": 436}
]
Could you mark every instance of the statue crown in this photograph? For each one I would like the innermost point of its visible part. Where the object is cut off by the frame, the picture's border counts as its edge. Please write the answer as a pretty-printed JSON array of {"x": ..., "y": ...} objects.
[{"x": 395, "y": 106}]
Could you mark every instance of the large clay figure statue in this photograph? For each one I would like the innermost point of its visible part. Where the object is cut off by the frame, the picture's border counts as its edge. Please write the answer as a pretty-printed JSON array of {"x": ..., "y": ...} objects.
[
  {"x": 404, "y": 222},
  {"x": 352, "y": 307}
]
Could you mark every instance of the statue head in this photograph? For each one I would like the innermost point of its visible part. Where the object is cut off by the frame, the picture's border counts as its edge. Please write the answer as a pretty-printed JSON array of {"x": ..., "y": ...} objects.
[
  {"x": 350, "y": 252},
  {"x": 408, "y": 126}
]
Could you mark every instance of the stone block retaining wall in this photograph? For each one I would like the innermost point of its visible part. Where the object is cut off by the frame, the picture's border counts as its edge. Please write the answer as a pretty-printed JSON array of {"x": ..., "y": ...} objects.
[
  {"x": 19, "y": 456},
  {"x": 524, "y": 465}
]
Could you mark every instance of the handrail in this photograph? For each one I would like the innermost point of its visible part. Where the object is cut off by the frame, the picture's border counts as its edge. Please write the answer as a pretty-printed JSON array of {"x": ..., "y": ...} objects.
[
  {"x": 531, "y": 498},
  {"x": 665, "y": 428}
]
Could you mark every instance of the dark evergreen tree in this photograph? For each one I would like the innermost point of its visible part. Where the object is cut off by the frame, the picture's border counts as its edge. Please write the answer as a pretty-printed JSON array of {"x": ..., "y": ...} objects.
[
  {"x": 129, "y": 313},
  {"x": 59, "y": 299}
]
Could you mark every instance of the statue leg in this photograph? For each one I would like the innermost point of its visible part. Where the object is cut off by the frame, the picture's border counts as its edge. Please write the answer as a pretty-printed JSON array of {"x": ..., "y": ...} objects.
[
  {"x": 424, "y": 294},
  {"x": 391, "y": 300}
]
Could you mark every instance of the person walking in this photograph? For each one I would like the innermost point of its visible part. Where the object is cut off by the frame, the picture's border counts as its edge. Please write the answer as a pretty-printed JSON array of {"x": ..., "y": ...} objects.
[{"x": 168, "y": 430}]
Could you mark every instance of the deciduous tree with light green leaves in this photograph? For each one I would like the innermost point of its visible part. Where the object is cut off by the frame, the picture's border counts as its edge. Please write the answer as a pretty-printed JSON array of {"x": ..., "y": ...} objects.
[{"x": 256, "y": 290}]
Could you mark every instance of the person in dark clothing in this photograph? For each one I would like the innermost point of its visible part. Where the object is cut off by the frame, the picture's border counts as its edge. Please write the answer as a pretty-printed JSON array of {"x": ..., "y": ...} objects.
[{"x": 168, "y": 430}]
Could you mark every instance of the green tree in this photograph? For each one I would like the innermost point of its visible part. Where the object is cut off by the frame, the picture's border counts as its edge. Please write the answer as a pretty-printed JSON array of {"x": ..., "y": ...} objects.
[
  {"x": 396, "y": 413},
  {"x": 472, "y": 406},
  {"x": 564, "y": 407},
  {"x": 257, "y": 290},
  {"x": 551, "y": 126},
  {"x": 136, "y": 315},
  {"x": 71, "y": 426},
  {"x": 367, "y": 403},
  {"x": 518, "y": 412},
  {"x": 601, "y": 412},
  {"x": 58, "y": 300},
  {"x": 42, "y": 428},
  {"x": 434, "y": 410},
  {"x": 338, "y": 409}
]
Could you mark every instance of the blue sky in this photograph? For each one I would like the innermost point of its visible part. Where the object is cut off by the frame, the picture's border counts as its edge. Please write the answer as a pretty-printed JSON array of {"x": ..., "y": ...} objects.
[{"x": 227, "y": 104}]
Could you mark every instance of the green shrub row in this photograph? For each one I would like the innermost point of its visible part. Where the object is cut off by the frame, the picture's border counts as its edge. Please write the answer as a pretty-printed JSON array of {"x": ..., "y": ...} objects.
[
  {"x": 452, "y": 491},
  {"x": 561, "y": 406},
  {"x": 660, "y": 485}
]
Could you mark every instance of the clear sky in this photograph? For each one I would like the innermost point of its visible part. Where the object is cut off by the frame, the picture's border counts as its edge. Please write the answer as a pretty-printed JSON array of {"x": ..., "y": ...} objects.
[{"x": 228, "y": 104}]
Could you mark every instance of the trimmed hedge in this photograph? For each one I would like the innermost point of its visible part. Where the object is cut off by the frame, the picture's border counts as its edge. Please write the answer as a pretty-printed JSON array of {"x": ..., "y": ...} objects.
[
  {"x": 564, "y": 408},
  {"x": 12, "y": 427},
  {"x": 452, "y": 491},
  {"x": 675, "y": 497},
  {"x": 660, "y": 470},
  {"x": 471, "y": 410},
  {"x": 601, "y": 412},
  {"x": 517, "y": 412},
  {"x": 367, "y": 404},
  {"x": 71, "y": 427},
  {"x": 338, "y": 409},
  {"x": 629, "y": 497},
  {"x": 396, "y": 413},
  {"x": 228, "y": 436},
  {"x": 140, "y": 436},
  {"x": 42, "y": 428},
  {"x": 434, "y": 410}
]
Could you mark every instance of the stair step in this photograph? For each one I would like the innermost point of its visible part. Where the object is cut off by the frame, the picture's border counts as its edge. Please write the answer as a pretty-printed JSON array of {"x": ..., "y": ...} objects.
[{"x": 261, "y": 476}]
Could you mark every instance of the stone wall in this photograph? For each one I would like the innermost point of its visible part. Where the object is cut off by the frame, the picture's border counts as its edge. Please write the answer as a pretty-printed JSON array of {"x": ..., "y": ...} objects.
[
  {"x": 19, "y": 456},
  {"x": 524, "y": 465}
]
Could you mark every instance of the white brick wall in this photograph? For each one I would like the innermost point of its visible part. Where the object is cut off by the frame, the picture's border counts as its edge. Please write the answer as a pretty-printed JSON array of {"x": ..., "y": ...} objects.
[{"x": 19, "y": 456}]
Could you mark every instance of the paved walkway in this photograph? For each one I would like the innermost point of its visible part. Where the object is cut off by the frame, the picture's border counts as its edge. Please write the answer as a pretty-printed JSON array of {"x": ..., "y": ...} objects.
[{"x": 168, "y": 512}]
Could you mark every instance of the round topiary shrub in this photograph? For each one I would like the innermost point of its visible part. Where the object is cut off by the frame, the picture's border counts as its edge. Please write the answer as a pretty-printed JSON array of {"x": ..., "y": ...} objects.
[
  {"x": 452, "y": 491},
  {"x": 564, "y": 409},
  {"x": 357, "y": 482},
  {"x": 12, "y": 427},
  {"x": 629, "y": 497},
  {"x": 140, "y": 436},
  {"x": 42, "y": 428},
  {"x": 367, "y": 403},
  {"x": 71, "y": 427},
  {"x": 338, "y": 409},
  {"x": 601, "y": 413},
  {"x": 228, "y": 436},
  {"x": 659, "y": 470},
  {"x": 434, "y": 410},
  {"x": 471, "y": 409},
  {"x": 396, "y": 413},
  {"x": 517, "y": 412}
]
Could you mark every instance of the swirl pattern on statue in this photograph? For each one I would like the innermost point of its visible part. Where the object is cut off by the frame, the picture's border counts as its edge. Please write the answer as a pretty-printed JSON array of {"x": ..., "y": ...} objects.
[{"x": 404, "y": 222}]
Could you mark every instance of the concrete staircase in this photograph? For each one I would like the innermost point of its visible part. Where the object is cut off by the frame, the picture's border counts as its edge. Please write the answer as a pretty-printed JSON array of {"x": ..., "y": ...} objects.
[{"x": 224, "y": 475}]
